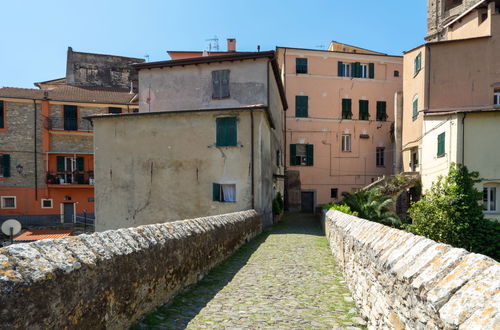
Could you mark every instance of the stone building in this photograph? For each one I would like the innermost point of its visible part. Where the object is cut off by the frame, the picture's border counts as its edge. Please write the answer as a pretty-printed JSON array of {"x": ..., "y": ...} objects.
[
  {"x": 46, "y": 149},
  {"x": 208, "y": 139},
  {"x": 339, "y": 133},
  {"x": 451, "y": 103}
]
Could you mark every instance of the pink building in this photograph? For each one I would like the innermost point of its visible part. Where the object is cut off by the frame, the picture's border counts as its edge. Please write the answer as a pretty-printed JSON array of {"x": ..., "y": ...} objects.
[{"x": 340, "y": 123}]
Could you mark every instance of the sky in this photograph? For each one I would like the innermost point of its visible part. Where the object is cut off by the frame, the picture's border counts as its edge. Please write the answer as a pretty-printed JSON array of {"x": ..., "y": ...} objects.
[{"x": 35, "y": 35}]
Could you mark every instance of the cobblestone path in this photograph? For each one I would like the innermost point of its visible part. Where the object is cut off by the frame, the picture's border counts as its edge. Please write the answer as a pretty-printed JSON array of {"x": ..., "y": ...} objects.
[{"x": 285, "y": 278}]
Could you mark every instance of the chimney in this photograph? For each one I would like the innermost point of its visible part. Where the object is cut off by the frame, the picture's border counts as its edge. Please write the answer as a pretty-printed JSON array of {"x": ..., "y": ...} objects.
[{"x": 231, "y": 45}]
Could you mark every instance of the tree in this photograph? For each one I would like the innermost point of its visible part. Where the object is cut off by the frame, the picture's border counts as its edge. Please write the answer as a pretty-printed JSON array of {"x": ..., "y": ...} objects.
[
  {"x": 451, "y": 213},
  {"x": 372, "y": 205}
]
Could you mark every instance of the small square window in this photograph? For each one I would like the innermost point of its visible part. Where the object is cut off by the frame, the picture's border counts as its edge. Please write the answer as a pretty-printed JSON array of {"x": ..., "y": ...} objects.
[
  {"x": 47, "y": 204},
  {"x": 224, "y": 193},
  {"x": 114, "y": 110},
  {"x": 8, "y": 202},
  {"x": 396, "y": 73},
  {"x": 334, "y": 192}
]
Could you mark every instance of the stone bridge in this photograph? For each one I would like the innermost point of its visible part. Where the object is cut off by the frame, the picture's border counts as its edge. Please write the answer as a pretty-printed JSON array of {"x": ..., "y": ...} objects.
[{"x": 193, "y": 274}]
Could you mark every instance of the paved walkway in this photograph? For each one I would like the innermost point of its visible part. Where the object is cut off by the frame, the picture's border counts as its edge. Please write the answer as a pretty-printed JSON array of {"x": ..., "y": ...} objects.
[{"x": 286, "y": 278}]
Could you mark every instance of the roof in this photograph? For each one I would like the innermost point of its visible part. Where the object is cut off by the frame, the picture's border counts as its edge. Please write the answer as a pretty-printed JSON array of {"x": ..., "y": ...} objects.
[
  {"x": 442, "y": 112},
  {"x": 107, "y": 55},
  {"x": 35, "y": 235},
  {"x": 339, "y": 52},
  {"x": 444, "y": 42},
  {"x": 68, "y": 93},
  {"x": 360, "y": 48},
  {"x": 233, "y": 56}
]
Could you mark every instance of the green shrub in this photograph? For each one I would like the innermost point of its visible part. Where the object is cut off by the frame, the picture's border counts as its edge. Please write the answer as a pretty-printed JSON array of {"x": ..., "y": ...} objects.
[
  {"x": 278, "y": 204},
  {"x": 340, "y": 207},
  {"x": 450, "y": 213}
]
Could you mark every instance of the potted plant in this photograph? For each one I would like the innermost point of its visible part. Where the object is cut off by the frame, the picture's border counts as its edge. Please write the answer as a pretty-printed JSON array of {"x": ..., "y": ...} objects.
[{"x": 277, "y": 208}]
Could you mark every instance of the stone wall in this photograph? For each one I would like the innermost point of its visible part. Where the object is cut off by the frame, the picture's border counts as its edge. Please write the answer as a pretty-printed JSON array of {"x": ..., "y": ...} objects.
[
  {"x": 110, "y": 279},
  {"x": 400, "y": 280}
]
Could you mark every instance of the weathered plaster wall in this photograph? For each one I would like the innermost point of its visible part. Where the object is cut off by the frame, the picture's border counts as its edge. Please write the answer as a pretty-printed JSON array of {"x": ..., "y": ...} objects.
[
  {"x": 107, "y": 280},
  {"x": 403, "y": 281}
]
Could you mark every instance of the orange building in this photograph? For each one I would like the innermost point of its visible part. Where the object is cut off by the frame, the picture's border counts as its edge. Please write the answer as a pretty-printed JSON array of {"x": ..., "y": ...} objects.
[
  {"x": 46, "y": 145},
  {"x": 339, "y": 128}
]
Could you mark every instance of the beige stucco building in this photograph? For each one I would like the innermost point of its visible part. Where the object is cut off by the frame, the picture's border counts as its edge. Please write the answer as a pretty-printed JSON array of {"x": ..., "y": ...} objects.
[
  {"x": 452, "y": 103},
  {"x": 339, "y": 129},
  {"x": 208, "y": 140}
]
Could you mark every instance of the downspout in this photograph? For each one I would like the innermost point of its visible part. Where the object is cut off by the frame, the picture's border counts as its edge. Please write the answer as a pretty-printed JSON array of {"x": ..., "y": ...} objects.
[
  {"x": 285, "y": 167},
  {"x": 428, "y": 78},
  {"x": 35, "y": 153},
  {"x": 251, "y": 160},
  {"x": 463, "y": 139}
]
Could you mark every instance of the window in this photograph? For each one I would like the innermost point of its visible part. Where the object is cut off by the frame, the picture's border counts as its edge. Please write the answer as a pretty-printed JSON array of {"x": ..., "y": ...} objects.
[
  {"x": 346, "y": 142},
  {"x": 396, "y": 73},
  {"x": 2, "y": 115},
  {"x": 414, "y": 160},
  {"x": 346, "y": 109},
  {"x": 301, "y": 154},
  {"x": 301, "y": 65},
  {"x": 334, "y": 192},
  {"x": 70, "y": 117},
  {"x": 483, "y": 17},
  {"x": 70, "y": 170},
  {"x": 220, "y": 84},
  {"x": 380, "y": 156},
  {"x": 496, "y": 97},
  {"x": 8, "y": 202},
  {"x": 47, "y": 203},
  {"x": 440, "y": 144},
  {"x": 381, "y": 111},
  {"x": 224, "y": 192},
  {"x": 4, "y": 165},
  {"x": 344, "y": 69},
  {"x": 417, "y": 63},
  {"x": 490, "y": 199},
  {"x": 415, "y": 108},
  {"x": 363, "y": 110},
  {"x": 226, "y": 132},
  {"x": 114, "y": 110},
  {"x": 279, "y": 162},
  {"x": 301, "y": 106},
  {"x": 363, "y": 71}
]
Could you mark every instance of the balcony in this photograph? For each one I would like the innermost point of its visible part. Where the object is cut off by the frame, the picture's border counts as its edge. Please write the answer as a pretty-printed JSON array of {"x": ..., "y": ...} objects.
[
  {"x": 70, "y": 179},
  {"x": 55, "y": 123}
]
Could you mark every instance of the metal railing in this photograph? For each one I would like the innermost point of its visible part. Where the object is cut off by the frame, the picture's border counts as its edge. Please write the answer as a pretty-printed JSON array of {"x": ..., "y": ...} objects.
[
  {"x": 68, "y": 124},
  {"x": 69, "y": 178}
]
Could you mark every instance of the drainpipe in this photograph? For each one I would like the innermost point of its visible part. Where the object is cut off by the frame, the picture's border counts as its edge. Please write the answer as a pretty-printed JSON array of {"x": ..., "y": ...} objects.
[
  {"x": 35, "y": 153},
  {"x": 463, "y": 139},
  {"x": 428, "y": 78},
  {"x": 285, "y": 167},
  {"x": 251, "y": 159}
]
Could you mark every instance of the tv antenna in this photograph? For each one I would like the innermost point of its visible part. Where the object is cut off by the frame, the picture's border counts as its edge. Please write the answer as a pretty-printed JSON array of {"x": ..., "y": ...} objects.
[
  {"x": 213, "y": 44},
  {"x": 322, "y": 46},
  {"x": 146, "y": 57},
  {"x": 10, "y": 228}
]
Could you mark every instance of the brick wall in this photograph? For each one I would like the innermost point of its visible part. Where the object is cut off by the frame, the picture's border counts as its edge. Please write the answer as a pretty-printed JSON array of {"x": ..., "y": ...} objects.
[
  {"x": 109, "y": 279},
  {"x": 400, "y": 280}
]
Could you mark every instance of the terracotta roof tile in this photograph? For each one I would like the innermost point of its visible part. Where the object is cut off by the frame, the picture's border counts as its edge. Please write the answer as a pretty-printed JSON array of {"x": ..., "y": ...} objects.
[
  {"x": 35, "y": 235},
  {"x": 68, "y": 93}
]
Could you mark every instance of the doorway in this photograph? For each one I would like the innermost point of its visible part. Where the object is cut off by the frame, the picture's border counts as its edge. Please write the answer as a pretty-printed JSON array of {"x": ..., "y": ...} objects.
[
  {"x": 307, "y": 201},
  {"x": 68, "y": 212}
]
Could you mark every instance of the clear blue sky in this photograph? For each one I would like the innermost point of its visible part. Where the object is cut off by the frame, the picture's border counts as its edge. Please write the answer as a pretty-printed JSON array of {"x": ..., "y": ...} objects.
[{"x": 35, "y": 35}]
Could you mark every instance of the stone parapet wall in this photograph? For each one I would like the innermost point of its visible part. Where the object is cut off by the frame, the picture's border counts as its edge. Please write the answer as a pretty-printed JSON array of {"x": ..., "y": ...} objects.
[
  {"x": 403, "y": 281},
  {"x": 109, "y": 279}
]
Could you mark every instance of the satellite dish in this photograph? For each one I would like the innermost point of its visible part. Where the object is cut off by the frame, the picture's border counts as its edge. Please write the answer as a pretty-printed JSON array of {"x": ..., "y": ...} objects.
[{"x": 11, "y": 223}]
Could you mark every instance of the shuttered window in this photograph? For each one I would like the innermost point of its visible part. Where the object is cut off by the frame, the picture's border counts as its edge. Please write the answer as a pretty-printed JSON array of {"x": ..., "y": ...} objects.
[
  {"x": 4, "y": 165},
  {"x": 415, "y": 108},
  {"x": 417, "y": 64},
  {"x": 363, "y": 110},
  {"x": 301, "y": 154},
  {"x": 114, "y": 110},
  {"x": 346, "y": 109},
  {"x": 301, "y": 106},
  {"x": 301, "y": 65},
  {"x": 381, "y": 111},
  {"x": 70, "y": 117},
  {"x": 2, "y": 115},
  {"x": 226, "y": 131},
  {"x": 440, "y": 144},
  {"x": 371, "y": 69},
  {"x": 220, "y": 84}
]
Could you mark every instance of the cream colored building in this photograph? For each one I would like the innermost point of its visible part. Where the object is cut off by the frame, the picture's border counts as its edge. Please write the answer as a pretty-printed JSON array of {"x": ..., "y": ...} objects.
[
  {"x": 452, "y": 103},
  {"x": 208, "y": 140}
]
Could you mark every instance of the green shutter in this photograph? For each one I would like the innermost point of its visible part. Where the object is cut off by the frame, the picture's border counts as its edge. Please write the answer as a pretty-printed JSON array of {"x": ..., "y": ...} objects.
[
  {"x": 2, "y": 115},
  {"x": 346, "y": 109},
  {"x": 363, "y": 110},
  {"x": 6, "y": 165},
  {"x": 356, "y": 70},
  {"x": 301, "y": 106},
  {"x": 216, "y": 192},
  {"x": 80, "y": 164},
  {"x": 441, "y": 149},
  {"x": 60, "y": 164},
  {"x": 341, "y": 69},
  {"x": 293, "y": 154},
  {"x": 301, "y": 65},
  {"x": 309, "y": 154},
  {"x": 381, "y": 111},
  {"x": 415, "y": 109},
  {"x": 371, "y": 70},
  {"x": 231, "y": 131},
  {"x": 220, "y": 84}
]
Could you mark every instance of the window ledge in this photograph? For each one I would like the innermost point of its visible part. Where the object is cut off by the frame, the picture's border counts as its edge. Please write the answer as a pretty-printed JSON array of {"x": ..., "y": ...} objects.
[{"x": 441, "y": 156}]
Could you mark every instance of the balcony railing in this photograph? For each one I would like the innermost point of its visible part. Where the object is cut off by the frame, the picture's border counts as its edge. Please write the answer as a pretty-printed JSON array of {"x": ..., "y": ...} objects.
[
  {"x": 68, "y": 124},
  {"x": 64, "y": 178}
]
